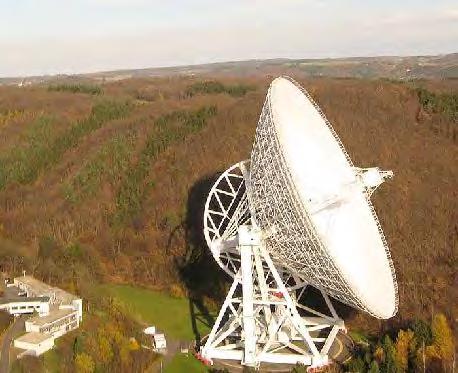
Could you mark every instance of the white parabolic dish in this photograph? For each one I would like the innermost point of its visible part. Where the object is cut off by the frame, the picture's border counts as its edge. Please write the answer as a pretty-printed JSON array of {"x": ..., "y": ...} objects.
[{"x": 314, "y": 205}]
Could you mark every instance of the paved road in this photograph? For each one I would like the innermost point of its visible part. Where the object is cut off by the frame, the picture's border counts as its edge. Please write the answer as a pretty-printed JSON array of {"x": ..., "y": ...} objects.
[
  {"x": 173, "y": 348},
  {"x": 13, "y": 331},
  {"x": 342, "y": 348}
]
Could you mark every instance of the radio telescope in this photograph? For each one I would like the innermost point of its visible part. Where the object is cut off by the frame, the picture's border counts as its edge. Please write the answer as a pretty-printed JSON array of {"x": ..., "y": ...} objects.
[{"x": 297, "y": 214}]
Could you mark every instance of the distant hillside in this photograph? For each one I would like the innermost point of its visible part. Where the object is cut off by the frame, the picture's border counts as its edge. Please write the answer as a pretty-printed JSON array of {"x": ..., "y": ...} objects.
[
  {"x": 390, "y": 67},
  {"x": 416, "y": 67},
  {"x": 107, "y": 182}
]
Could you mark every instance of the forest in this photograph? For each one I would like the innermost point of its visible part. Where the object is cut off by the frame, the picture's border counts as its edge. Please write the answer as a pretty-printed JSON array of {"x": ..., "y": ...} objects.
[{"x": 105, "y": 184}]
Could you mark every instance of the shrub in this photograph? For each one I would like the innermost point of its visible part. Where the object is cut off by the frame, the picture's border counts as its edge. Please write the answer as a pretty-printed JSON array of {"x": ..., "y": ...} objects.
[
  {"x": 149, "y": 95},
  {"x": 215, "y": 87},
  {"x": 76, "y": 88},
  {"x": 7, "y": 115},
  {"x": 443, "y": 103},
  {"x": 84, "y": 363},
  {"x": 374, "y": 368}
]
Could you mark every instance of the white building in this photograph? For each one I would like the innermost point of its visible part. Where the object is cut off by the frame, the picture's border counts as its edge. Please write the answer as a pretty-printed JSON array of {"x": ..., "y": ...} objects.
[
  {"x": 57, "y": 323},
  {"x": 57, "y": 297},
  {"x": 22, "y": 305},
  {"x": 150, "y": 330},
  {"x": 34, "y": 343},
  {"x": 58, "y": 313},
  {"x": 160, "y": 343}
]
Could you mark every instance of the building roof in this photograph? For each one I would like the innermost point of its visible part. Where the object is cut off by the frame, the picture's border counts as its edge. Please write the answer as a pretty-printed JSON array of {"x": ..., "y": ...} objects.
[
  {"x": 34, "y": 338},
  {"x": 54, "y": 315},
  {"x": 40, "y": 288},
  {"x": 24, "y": 300}
]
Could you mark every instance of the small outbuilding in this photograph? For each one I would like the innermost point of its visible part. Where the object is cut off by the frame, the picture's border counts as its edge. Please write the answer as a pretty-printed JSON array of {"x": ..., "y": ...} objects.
[
  {"x": 34, "y": 343},
  {"x": 159, "y": 341},
  {"x": 150, "y": 330}
]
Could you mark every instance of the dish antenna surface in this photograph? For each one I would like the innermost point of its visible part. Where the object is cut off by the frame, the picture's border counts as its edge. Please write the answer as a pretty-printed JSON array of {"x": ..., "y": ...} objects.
[{"x": 298, "y": 213}]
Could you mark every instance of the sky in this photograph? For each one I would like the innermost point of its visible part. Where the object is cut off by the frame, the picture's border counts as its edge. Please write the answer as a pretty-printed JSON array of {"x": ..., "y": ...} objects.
[{"x": 40, "y": 37}]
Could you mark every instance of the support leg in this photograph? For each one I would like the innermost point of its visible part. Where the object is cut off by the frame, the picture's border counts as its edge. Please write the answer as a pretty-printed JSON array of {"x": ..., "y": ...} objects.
[
  {"x": 249, "y": 325},
  {"x": 261, "y": 318}
]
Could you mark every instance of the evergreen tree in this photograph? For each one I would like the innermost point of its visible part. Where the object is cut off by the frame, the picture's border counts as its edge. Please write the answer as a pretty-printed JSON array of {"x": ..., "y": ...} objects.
[
  {"x": 422, "y": 331},
  {"x": 77, "y": 346},
  {"x": 356, "y": 365},
  {"x": 389, "y": 363},
  {"x": 373, "y": 368}
]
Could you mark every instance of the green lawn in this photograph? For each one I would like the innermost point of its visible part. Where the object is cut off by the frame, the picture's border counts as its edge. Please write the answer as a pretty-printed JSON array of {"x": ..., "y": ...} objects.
[
  {"x": 168, "y": 314},
  {"x": 185, "y": 363}
]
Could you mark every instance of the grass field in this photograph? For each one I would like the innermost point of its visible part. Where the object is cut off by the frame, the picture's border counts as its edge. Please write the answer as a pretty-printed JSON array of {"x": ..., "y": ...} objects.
[
  {"x": 168, "y": 314},
  {"x": 185, "y": 363}
]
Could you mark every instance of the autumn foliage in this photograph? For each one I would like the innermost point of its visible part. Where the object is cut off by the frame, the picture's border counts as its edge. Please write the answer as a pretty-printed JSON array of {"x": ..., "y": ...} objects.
[
  {"x": 423, "y": 347},
  {"x": 109, "y": 186}
]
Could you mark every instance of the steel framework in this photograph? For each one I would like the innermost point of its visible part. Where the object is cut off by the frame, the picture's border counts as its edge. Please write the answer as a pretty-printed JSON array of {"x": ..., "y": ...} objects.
[
  {"x": 263, "y": 319},
  {"x": 226, "y": 209}
]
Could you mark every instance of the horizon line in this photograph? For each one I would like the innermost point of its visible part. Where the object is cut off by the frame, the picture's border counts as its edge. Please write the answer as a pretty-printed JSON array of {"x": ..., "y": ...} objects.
[{"x": 227, "y": 62}]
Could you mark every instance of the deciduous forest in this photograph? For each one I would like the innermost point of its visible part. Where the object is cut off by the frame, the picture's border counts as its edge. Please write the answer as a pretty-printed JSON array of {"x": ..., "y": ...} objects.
[{"x": 105, "y": 183}]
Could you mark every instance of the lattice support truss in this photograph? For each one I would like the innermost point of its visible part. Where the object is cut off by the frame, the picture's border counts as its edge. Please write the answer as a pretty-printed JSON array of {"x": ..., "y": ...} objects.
[
  {"x": 225, "y": 210},
  {"x": 262, "y": 318}
]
